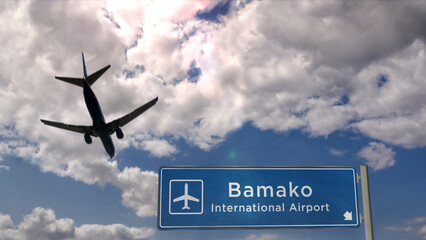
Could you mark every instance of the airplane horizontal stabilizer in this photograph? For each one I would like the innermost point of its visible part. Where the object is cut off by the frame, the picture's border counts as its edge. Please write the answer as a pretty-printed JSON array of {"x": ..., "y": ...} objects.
[
  {"x": 75, "y": 81},
  {"x": 90, "y": 79},
  {"x": 114, "y": 125},
  {"x": 74, "y": 128}
]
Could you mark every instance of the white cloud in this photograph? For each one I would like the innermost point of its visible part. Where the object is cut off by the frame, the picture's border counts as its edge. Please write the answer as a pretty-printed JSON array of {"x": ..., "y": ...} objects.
[
  {"x": 416, "y": 226},
  {"x": 281, "y": 65},
  {"x": 4, "y": 167},
  {"x": 6, "y": 222},
  {"x": 338, "y": 152},
  {"x": 157, "y": 147},
  {"x": 378, "y": 156},
  {"x": 394, "y": 112},
  {"x": 112, "y": 232},
  {"x": 139, "y": 190},
  {"x": 259, "y": 237},
  {"x": 42, "y": 224}
]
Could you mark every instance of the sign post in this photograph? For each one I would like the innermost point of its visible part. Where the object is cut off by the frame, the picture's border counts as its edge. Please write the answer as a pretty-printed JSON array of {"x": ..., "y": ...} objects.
[
  {"x": 366, "y": 203},
  {"x": 257, "y": 197}
]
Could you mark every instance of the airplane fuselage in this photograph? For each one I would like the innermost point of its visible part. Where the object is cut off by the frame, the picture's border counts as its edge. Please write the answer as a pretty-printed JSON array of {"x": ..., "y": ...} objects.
[{"x": 99, "y": 125}]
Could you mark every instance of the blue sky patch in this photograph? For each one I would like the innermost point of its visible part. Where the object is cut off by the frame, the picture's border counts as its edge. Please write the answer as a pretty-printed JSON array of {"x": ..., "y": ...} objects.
[
  {"x": 193, "y": 72},
  {"x": 343, "y": 100},
  {"x": 213, "y": 15},
  {"x": 382, "y": 80},
  {"x": 132, "y": 73}
]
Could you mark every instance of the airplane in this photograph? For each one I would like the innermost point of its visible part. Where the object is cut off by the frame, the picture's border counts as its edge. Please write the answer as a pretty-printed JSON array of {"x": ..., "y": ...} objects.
[
  {"x": 99, "y": 128},
  {"x": 185, "y": 197}
]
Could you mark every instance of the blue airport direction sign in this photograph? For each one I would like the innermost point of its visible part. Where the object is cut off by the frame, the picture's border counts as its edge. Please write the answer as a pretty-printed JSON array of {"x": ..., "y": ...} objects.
[{"x": 257, "y": 197}]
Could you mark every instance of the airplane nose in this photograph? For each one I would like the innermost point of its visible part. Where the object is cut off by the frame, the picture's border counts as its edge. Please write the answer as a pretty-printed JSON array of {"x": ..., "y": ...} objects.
[
  {"x": 111, "y": 152},
  {"x": 109, "y": 146}
]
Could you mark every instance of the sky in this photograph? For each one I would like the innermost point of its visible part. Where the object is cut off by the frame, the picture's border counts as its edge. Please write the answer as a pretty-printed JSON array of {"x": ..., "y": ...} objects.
[{"x": 241, "y": 83}]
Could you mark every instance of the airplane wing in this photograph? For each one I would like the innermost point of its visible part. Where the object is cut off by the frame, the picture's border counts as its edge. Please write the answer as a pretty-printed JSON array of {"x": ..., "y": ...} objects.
[
  {"x": 74, "y": 128},
  {"x": 129, "y": 117},
  {"x": 181, "y": 198},
  {"x": 191, "y": 198}
]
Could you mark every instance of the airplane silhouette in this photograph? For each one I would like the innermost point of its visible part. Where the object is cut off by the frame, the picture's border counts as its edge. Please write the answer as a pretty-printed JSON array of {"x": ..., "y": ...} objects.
[
  {"x": 99, "y": 128},
  {"x": 185, "y": 197}
]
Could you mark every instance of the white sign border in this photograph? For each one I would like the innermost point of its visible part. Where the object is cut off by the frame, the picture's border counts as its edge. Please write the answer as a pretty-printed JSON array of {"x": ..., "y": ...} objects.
[{"x": 357, "y": 224}]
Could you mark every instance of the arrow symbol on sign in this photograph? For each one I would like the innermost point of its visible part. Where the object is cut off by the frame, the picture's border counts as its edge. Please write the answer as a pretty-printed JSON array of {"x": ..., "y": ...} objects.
[{"x": 348, "y": 216}]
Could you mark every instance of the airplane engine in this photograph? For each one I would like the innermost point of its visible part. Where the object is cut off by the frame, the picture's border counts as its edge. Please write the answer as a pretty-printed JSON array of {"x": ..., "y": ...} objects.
[
  {"x": 119, "y": 133},
  {"x": 87, "y": 138}
]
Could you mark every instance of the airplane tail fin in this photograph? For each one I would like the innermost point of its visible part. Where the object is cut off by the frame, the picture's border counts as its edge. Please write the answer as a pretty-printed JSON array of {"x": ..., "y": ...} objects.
[
  {"x": 84, "y": 66},
  {"x": 89, "y": 79}
]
